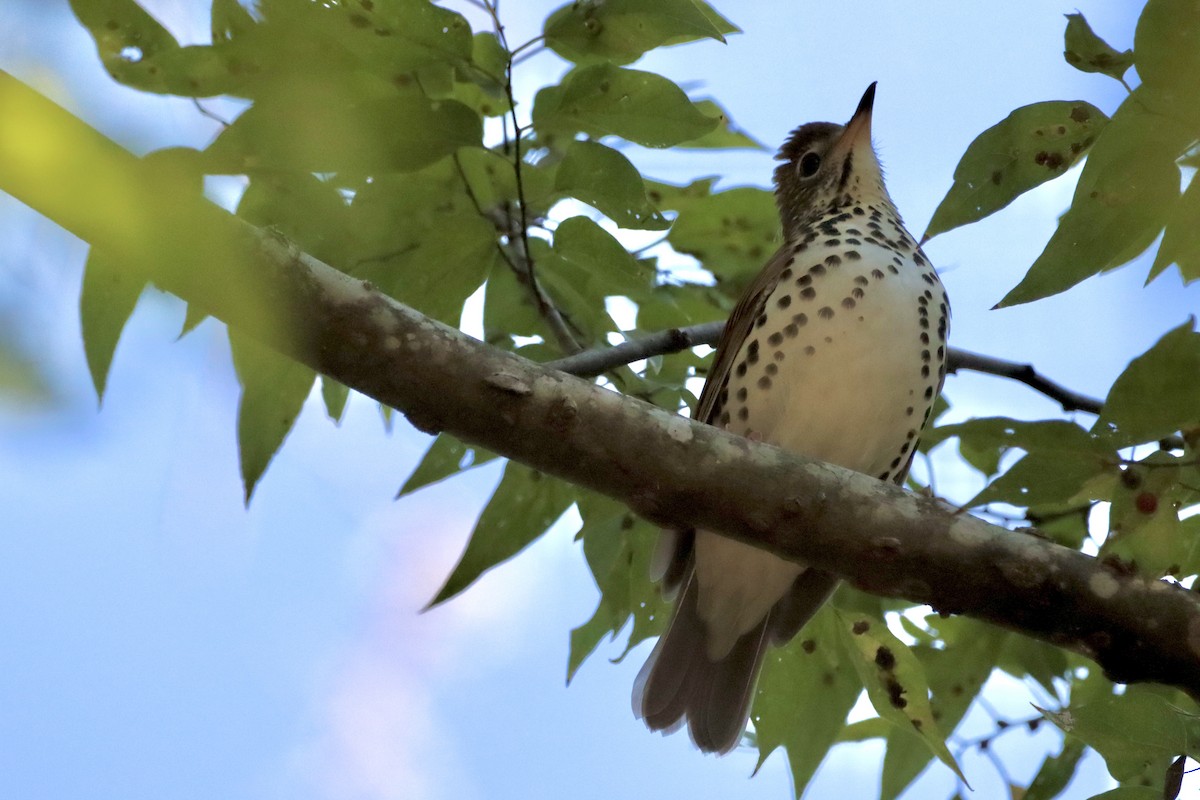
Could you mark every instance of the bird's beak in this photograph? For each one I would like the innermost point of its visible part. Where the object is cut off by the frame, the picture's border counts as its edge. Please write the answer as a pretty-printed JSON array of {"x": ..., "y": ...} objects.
[{"x": 858, "y": 129}]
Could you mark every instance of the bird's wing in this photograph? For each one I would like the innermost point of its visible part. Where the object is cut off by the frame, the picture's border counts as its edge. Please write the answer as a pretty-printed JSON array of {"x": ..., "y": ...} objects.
[{"x": 736, "y": 330}]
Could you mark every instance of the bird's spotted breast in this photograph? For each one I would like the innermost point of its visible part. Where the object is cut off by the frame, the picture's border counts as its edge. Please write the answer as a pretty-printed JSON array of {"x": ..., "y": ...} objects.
[{"x": 848, "y": 350}]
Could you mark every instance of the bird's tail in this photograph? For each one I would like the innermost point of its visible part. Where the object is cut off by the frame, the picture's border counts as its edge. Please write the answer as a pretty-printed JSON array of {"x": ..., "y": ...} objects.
[{"x": 680, "y": 683}]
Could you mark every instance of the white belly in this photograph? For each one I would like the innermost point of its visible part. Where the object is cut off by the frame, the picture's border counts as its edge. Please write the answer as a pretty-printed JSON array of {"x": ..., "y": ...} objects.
[{"x": 844, "y": 369}]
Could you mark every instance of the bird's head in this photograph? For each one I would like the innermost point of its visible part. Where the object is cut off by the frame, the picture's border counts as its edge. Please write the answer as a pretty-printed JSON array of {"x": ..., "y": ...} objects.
[{"x": 826, "y": 167}]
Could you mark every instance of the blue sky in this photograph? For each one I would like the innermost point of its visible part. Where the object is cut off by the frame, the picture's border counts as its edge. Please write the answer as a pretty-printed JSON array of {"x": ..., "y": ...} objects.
[{"x": 159, "y": 640}]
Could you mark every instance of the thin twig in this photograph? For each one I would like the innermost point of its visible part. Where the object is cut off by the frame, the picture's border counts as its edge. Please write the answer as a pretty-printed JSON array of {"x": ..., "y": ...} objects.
[
  {"x": 548, "y": 311},
  {"x": 590, "y": 363},
  {"x": 1025, "y": 373}
]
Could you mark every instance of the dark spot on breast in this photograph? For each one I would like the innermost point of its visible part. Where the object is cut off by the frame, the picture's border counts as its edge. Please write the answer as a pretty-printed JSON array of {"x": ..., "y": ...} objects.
[
  {"x": 925, "y": 356},
  {"x": 817, "y": 269},
  {"x": 909, "y": 411},
  {"x": 848, "y": 302},
  {"x": 895, "y": 462},
  {"x": 832, "y": 242},
  {"x": 804, "y": 280},
  {"x": 928, "y": 392},
  {"x": 764, "y": 382},
  {"x": 832, "y": 261},
  {"x": 825, "y": 313},
  {"x": 786, "y": 274},
  {"x": 741, "y": 370},
  {"x": 851, "y": 255},
  {"x": 741, "y": 394},
  {"x": 784, "y": 301},
  {"x": 857, "y": 293},
  {"x": 762, "y": 320},
  {"x": 743, "y": 413},
  {"x": 724, "y": 418},
  {"x": 924, "y": 370},
  {"x": 862, "y": 280},
  {"x": 772, "y": 369},
  {"x": 809, "y": 350},
  {"x": 776, "y": 339},
  {"x": 808, "y": 293},
  {"x": 800, "y": 319}
]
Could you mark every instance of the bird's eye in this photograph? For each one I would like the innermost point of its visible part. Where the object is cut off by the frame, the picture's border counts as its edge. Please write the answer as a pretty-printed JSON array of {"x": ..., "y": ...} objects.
[{"x": 809, "y": 164}]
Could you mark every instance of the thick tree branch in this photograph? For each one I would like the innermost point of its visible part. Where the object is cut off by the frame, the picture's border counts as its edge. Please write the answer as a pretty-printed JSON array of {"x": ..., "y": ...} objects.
[
  {"x": 589, "y": 363},
  {"x": 668, "y": 468}
]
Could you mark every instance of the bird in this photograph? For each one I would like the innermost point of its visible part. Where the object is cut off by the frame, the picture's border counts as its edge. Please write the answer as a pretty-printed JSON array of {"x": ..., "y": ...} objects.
[{"x": 836, "y": 350}]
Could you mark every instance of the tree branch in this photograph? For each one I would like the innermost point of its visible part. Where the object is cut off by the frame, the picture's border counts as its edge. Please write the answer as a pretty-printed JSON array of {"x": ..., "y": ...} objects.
[{"x": 667, "y": 468}]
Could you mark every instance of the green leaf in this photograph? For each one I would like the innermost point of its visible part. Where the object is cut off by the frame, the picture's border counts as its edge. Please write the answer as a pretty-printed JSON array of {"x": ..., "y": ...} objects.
[
  {"x": 723, "y": 137},
  {"x": 1159, "y": 392},
  {"x": 337, "y": 124},
  {"x": 274, "y": 389},
  {"x": 138, "y": 51},
  {"x": 618, "y": 548},
  {"x": 392, "y": 39},
  {"x": 1042, "y": 477},
  {"x": 732, "y": 233},
  {"x": 956, "y": 675},
  {"x": 1124, "y": 197},
  {"x": 1056, "y": 771},
  {"x": 1022, "y": 656},
  {"x": 1181, "y": 242},
  {"x": 335, "y": 395},
  {"x": 1032, "y": 145},
  {"x": 604, "y": 179},
  {"x": 422, "y": 240},
  {"x": 301, "y": 207},
  {"x": 1165, "y": 48},
  {"x": 1129, "y": 793},
  {"x": 1134, "y": 730},
  {"x": 895, "y": 681},
  {"x": 603, "y": 100},
  {"x": 602, "y": 264},
  {"x": 570, "y": 287},
  {"x": 446, "y": 456},
  {"x": 230, "y": 20},
  {"x": 621, "y": 31},
  {"x": 110, "y": 292},
  {"x": 1087, "y": 52},
  {"x": 523, "y": 507},
  {"x": 806, "y": 690},
  {"x": 1144, "y": 525},
  {"x": 508, "y": 308}
]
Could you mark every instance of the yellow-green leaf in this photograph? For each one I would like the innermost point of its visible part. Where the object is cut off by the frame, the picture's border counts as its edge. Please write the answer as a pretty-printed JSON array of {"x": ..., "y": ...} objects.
[
  {"x": 523, "y": 507},
  {"x": 1087, "y": 52},
  {"x": 604, "y": 100},
  {"x": 620, "y": 31},
  {"x": 111, "y": 289},
  {"x": 895, "y": 681},
  {"x": 1032, "y": 145},
  {"x": 1159, "y": 392},
  {"x": 606, "y": 180},
  {"x": 274, "y": 389}
]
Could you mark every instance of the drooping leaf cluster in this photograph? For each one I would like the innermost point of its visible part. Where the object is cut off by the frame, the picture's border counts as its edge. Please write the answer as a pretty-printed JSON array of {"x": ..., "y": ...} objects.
[{"x": 383, "y": 137}]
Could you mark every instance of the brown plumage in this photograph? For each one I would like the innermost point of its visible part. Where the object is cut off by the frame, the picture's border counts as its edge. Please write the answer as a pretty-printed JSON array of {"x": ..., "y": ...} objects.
[{"x": 836, "y": 350}]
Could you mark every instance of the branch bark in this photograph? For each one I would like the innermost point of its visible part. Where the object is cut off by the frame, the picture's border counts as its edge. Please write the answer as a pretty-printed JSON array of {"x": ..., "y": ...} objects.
[{"x": 667, "y": 468}]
